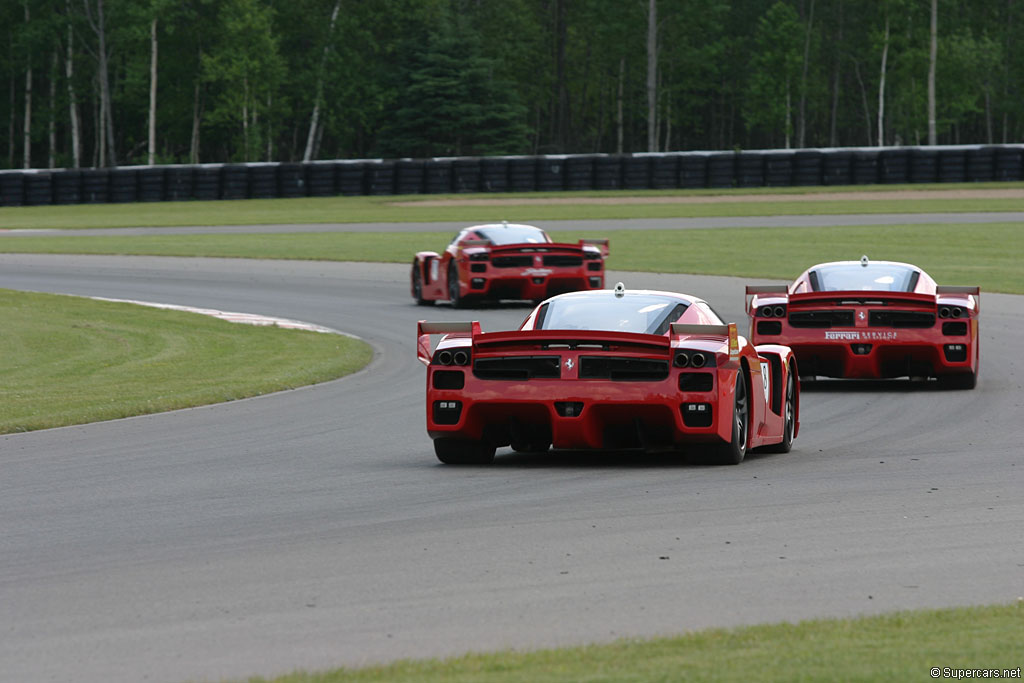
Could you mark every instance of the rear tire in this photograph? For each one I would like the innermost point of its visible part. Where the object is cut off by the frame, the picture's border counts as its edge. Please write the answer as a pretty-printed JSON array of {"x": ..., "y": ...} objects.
[
  {"x": 463, "y": 452},
  {"x": 454, "y": 291},
  {"x": 417, "y": 287},
  {"x": 789, "y": 425},
  {"x": 732, "y": 453}
]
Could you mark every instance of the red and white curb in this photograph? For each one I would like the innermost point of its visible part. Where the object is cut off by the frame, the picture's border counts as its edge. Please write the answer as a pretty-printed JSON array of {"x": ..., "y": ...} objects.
[{"x": 233, "y": 317}]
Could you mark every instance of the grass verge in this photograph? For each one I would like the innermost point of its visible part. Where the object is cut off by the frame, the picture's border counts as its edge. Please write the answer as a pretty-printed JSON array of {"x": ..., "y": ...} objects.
[
  {"x": 987, "y": 254},
  {"x": 70, "y": 360},
  {"x": 903, "y": 646},
  {"x": 406, "y": 208}
]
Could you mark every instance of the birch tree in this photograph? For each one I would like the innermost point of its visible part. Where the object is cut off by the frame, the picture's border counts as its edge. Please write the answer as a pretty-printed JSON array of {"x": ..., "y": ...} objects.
[{"x": 314, "y": 120}]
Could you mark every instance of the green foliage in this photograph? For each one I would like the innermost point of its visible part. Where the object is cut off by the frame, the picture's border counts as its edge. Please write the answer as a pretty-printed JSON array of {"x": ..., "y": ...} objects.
[
  {"x": 450, "y": 103},
  {"x": 775, "y": 71},
  {"x": 401, "y": 78}
]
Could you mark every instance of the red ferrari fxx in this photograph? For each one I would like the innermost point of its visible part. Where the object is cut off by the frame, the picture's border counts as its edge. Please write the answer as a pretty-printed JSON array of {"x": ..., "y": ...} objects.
[
  {"x": 871, "y": 319},
  {"x": 609, "y": 369},
  {"x": 506, "y": 261}
]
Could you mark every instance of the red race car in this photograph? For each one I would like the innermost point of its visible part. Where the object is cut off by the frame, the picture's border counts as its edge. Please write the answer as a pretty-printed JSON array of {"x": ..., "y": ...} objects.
[
  {"x": 609, "y": 369},
  {"x": 506, "y": 261},
  {"x": 872, "y": 319}
]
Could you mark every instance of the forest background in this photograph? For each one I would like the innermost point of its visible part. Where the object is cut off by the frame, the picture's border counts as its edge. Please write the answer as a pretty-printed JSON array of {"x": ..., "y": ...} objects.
[{"x": 116, "y": 82}]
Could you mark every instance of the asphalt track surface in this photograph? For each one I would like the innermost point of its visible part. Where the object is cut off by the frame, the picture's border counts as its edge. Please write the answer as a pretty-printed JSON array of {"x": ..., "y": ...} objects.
[{"x": 314, "y": 528}]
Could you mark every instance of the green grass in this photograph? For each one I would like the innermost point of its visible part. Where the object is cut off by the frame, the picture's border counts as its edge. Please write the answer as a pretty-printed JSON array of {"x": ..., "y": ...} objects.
[
  {"x": 386, "y": 209},
  {"x": 988, "y": 255},
  {"x": 903, "y": 646},
  {"x": 70, "y": 360}
]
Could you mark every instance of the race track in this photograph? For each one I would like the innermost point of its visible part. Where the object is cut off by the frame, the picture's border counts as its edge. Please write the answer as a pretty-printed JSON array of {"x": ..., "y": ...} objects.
[{"x": 314, "y": 528}]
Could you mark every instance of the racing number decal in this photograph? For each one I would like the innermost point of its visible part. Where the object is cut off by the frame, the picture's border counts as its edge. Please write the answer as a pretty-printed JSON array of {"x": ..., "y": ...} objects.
[{"x": 766, "y": 380}]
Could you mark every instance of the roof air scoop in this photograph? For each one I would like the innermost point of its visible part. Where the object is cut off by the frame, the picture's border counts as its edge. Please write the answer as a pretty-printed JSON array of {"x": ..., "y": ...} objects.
[
  {"x": 864, "y": 261},
  {"x": 620, "y": 290}
]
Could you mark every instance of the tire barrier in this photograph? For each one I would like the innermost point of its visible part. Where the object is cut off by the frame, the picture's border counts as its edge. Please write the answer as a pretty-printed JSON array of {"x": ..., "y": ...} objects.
[
  {"x": 608, "y": 173},
  {"x": 722, "y": 169},
  {"x": 778, "y": 169},
  {"x": 579, "y": 172},
  {"x": 636, "y": 172},
  {"x": 522, "y": 174},
  {"x": 894, "y": 166},
  {"x": 466, "y": 174},
  {"x": 263, "y": 181},
  {"x": 124, "y": 185},
  {"x": 549, "y": 173},
  {"x": 208, "y": 181},
  {"x": 981, "y": 164},
  {"x": 235, "y": 184},
  {"x": 291, "y": 180},
  {"x": 67, "y": 187},
  {"x": 693, "y": 170},
  {"x": 12, "y": 188},
  {"x": 952, "y": 166},
  {"x": 865, "y": 168},
  {"x": 1008, "y": 163},
  {"x": 350, "y": 177},
  {"x": 494, "y": 174},
  {"x": 409, "y": 176},
  {"x": 96, "y": 185},
  {"x": 179, "y": 183},
  {"x": 151, "y": 184},
  {"x": 320, "y": 178},
  {"x": 664, "y": 171},
  {"x": 39, "y": 188},
  {"x": 807, "y": 167},
  {"x": 380, "y": 177},
  {"x": 750, "y": 169},
  {"x": 438, "y": 176},
  {"x": 924, "y": 166},
  {"x": 837, "y": 169}
]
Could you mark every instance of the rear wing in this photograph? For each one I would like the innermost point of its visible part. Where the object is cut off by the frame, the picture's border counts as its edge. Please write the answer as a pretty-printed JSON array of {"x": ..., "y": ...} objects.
[
  {"x": 723, "y": 332},
  {"x": 424, "y": 330},
  {"x": 598, "y": 242},
  {"x": 957, "y": 289},
  {"x": 752, "y": 291}
]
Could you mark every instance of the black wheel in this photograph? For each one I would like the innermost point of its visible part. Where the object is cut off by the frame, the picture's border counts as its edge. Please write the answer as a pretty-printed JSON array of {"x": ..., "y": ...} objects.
[
  {"x": 732, "y": 453},
  {"x": 786, "y": 445},
  {"x": 463, "y": 452},
  {"x": 417, "y": 286},
  {"x": 454, "y": 293},
  {"x": 967, "y": 380}
]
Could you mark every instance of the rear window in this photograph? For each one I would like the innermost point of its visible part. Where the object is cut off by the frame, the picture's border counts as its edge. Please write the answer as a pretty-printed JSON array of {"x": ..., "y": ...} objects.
[
  {"x": 875, "y": 277},
  {"x": 514, "y": 234},
  {"x": 641, "y": 313}
]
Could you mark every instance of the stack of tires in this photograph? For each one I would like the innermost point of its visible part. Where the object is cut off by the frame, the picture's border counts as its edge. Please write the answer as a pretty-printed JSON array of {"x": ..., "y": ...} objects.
[
  {"x": 151, "y": 183},
  {"x": 494, "y": 174},
  {"x": 320, "y": 178},
  {"x": 67, "y": 187}
]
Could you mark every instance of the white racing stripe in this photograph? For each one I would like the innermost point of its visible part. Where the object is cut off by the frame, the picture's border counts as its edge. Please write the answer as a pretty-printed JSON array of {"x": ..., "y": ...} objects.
[{"x": 233, "y": 317}]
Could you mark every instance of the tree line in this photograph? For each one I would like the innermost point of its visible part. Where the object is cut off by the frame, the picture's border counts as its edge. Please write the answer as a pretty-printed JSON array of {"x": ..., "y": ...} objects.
[{"x": 113, "y": 82}]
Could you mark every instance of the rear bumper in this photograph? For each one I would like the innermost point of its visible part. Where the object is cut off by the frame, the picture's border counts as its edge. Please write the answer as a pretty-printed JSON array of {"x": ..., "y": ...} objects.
[
  {"x": 584, "y": 414},
  {"x": 527, "y": 283},
  {"x": 879, "y": 353}
]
